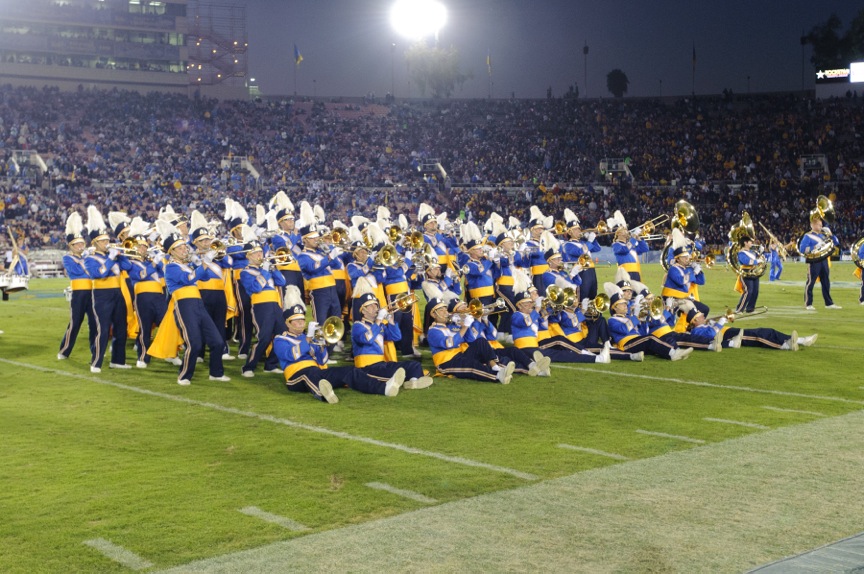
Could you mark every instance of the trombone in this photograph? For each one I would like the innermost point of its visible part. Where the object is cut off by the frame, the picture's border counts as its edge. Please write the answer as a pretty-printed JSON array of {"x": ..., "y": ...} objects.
[
  {"x": 402, "y": 303},
  {"x": 282, "y": 256},
  {"x": 330, "y": 332},
  {"x": 648, "y": 228},
  {"x": 602, "y": 228},
  {"x": 478, "y": 310},
  {"x": 731, "y": 315},
  {"x": 129, "y": 248},
  {"x": 781, "y": 249}
]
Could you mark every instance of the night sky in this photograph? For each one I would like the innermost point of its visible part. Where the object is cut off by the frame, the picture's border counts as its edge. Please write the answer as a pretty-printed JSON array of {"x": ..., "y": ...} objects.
[{"x": 346, "y": 45}]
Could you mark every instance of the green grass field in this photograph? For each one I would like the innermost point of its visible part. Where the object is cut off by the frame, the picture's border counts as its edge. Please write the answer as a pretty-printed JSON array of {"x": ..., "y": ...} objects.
[{"x": 163, "y": 471}]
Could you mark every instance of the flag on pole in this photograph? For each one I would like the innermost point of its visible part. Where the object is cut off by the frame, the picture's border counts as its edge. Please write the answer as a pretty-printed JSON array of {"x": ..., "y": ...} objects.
[
  {"x": 298, "y": 57},
  {"x": 489, "y": 62}
]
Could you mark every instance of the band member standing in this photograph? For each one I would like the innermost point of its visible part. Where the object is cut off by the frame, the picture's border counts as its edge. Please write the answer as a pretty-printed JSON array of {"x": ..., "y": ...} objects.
[
  {"x": 819, "y": 268},
  {"x": 627, "y": 246},
  {"x": 531, "y": 253},
  {"x": 186, "y": 308},
  {"x": 858, "y": 271},
  {"x": 776, "y": 261},
  {"x": 579, "y": 246},
  {"x": 215, "y": 286},
  {"x": 236, "y": 218},
  {"x": 303, "y": 358},
  {"x": 261, "y": 283},
  {"x": 315, "y": 265},
  {"x": 109, "y": 306},
  {"x": 149, "y": 293},
  {"x": 747, "y": 285},
  {"x": 81, "y": 304},
  {"x": 289, "y": 239}
]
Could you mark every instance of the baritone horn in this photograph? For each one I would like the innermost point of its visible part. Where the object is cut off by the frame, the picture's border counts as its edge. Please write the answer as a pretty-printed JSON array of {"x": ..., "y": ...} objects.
[
  {"x": 330, "y": 332},
  {"x": 402, "y": 303},
  {"x": 598, "y": 305},
  {"x": 388, "y": 257},
  {"x": 478, "y": 310}
]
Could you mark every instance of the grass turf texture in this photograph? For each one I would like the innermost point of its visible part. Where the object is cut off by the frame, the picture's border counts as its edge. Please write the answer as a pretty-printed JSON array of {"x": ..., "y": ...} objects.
[{"x": 165, "y": 479}]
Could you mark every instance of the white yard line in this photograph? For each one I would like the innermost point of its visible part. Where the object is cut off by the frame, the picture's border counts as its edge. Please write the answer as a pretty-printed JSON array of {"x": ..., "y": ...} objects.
[
  {"x": 118, "y": 554},
  {"x": 675, "y": 436},
  {"x": 287, "y": 523},
  {"x": 618, "y": 374},
  {"x": 285, "y": 422},
  {"x": 401, "y": 492},
  {"x": 594, "y": 451},
  {"x": 737, "y": 423},
  {"x": 779, "y": 410}
]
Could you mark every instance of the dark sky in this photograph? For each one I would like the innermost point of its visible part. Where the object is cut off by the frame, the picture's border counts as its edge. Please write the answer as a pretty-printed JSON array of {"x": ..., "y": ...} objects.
[{"x": 346, "y": 45}]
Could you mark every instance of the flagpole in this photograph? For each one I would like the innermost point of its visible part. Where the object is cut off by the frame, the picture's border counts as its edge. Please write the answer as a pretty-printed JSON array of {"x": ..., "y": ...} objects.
[
  {"x": 693, "y": 78},
  {"x": 295, "y": 78}
]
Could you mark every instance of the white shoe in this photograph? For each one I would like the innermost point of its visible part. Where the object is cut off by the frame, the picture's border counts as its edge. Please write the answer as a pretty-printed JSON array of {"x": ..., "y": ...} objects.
[
  {"x": 95, "y": 370},
  {"x": 533, "y": 371},
  {"x": 184, "y": 382},
  {"x": 604, "y": 355},
  {"x": 508, "y": 340},
  {"x": 274, "y": 370},
  {"x": 861, "y": 303},
  {"x": 61, "y": 357},
  {"x": 395, "y": 383},
  {"x": 243, "y": 356},
  {"x": 810, "y": 308},
  {"x": 419, "y": 383},
  {"x": 680, "y": 353},
  {"x": 199, "y": 360},
  {"x": 638, "y": 357},
  {"x": 792, "y": 343},
  {"x": 735, "y": 342},
  {"x": 141, "y": 364},
  {"x": 248, "y": 374},
  {"x": 174, "y": 361},
  {"x": 223, "y": 378},
  {"x": 537, "y": 355},
  {"x": 331, "y": 361},
  {"x": 505, "y": 374},
  {"x": 339, "y": 347},
  {"x": 834, "y": 307},
  {"x": 808, "y": 341},
  {"x": 717, "y": 343},
  {"x": 544, "y": 366},
  {"x": 118, "y": 366},
  {"x": 227, "y": 357},
  {"x": 326, "y": 390}
]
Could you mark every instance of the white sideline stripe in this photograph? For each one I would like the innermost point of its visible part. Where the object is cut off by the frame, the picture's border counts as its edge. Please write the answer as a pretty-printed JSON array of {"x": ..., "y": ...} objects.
[
  {"x": 118, "y": 554},
  {"x": 400, "y": 492},
  {"x": 286, "y": 422},
  {"x": 709, "y": 385},
  {"x": 738, "y": 423},
  {"x": 779, "y": 410},
  {"x": 675, "y": 436},
  {"x": 256, "y": 512},
  {"x": 594, "y": 451}
]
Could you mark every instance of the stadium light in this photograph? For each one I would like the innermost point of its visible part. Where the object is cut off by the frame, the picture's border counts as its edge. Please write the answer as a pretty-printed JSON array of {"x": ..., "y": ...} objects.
[{"x": 418, "y": 19}]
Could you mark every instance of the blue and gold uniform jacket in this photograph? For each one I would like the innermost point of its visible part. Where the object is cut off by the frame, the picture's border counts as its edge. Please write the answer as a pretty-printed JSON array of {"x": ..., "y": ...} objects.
[
  {"x": 296, "y": 353},
  {"x": 367, "y": 341}
]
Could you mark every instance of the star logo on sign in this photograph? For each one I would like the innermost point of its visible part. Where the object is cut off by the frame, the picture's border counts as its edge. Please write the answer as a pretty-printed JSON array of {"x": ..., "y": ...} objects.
[{"x": 820, "y": 74}]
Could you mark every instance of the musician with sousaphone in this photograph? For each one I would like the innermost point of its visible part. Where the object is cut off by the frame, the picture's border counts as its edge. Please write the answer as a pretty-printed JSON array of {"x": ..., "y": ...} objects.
[
  {"x": 816, "y": 246},
  {"x": 748, "y": 263}
]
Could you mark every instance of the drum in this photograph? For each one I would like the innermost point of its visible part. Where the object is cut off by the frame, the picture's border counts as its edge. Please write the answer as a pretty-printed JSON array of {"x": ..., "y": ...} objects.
[
  {"x": 4, "y": 281},
  {"x": 17, "y": 283}
]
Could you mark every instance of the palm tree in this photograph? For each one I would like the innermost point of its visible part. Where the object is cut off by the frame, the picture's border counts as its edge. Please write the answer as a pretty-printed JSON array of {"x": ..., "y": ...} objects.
[{"x": 617, "y": 82}]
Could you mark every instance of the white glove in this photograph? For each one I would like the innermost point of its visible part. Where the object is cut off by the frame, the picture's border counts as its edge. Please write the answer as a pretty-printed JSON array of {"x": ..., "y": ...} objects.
[
  {"x": 313, "y": 326},
  {"x": 636, "y": 232},
  {"x": 585, "y": 304},
  {"x": 535, "y": 327},
  {"x": 382, "y": 314},
  {"x": 721, "y": 321},
  {"x": 494, "y": 254},
  {"x": 208, "y": 256},
  {"x": 637, "y": 302},
  {"x": 670, "y": 302},
  {"x": 266, "y": 266},
  {"x": 826, "y": 231},
  {"x": 538, "y": 304},
  {"x": 576, "y": 270},
  {"x": 450, "y": 273},
  {"x": 113, "y": 253},
  {"x": 468, "y": 321},
  {"x": 153, "y": 237},
  {"x": 335, "y": 252},
  {"x": 409, "y": 255},
  {"x": 697, "y": 268},
  {"x": 590, "y": 237},
  {"x": 457, "y": 320}
]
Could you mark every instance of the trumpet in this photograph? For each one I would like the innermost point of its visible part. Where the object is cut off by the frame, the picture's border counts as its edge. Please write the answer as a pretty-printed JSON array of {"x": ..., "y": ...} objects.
[
  {"x": 402, "y": 303},
  {"x": 707, "y": 260},
  {"x": 478, "y": 310},
  {"x": 129, "y": 248},
  {"x": 330, "y": 332},
  {"x": 219, "y": 247},
  {"x": 281, "y": 256}
]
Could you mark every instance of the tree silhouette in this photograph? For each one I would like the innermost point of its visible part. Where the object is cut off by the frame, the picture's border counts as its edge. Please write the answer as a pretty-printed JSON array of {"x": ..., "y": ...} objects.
[
  {"x": 617, "y": 82},
  {"x": 435, "y": 69},
  {"x": 832, "y": 48}
]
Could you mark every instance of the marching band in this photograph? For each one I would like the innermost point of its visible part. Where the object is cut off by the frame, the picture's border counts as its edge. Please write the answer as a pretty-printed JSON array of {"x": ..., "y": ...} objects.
[{"x": 499, "y": 300}]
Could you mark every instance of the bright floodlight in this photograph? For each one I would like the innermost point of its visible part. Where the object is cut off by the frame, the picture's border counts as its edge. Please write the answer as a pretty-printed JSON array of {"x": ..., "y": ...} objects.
[{"x": 417, "y": 19}]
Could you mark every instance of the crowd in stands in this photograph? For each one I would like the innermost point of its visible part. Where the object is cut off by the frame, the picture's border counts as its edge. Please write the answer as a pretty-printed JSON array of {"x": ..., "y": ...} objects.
[{"x": 125, "y": 151}]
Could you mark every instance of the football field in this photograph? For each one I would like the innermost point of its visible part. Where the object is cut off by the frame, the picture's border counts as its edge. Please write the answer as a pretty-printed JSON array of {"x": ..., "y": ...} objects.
[{"x": 719, "y": 463}]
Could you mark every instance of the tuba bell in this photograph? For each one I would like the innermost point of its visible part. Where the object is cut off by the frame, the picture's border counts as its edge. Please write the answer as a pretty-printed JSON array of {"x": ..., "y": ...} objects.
[
  {"x": 853, "y": 252},
  {"x": 824, "y": 210},
  {"x": 744, "y": 228}
]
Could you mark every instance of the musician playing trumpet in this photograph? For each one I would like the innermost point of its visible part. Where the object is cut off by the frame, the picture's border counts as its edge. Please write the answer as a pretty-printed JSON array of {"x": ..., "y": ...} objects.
[
  {"x": 261, "y": 282},
  {"x": 627, "y": 245},
  {"x": 578, "y": 246},
  {"x": 215, "y": 284}
]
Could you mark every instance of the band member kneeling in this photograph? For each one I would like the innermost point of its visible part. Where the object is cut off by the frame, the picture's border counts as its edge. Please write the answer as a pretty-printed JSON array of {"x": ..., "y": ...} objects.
[{"x": 303, "y": 357}]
